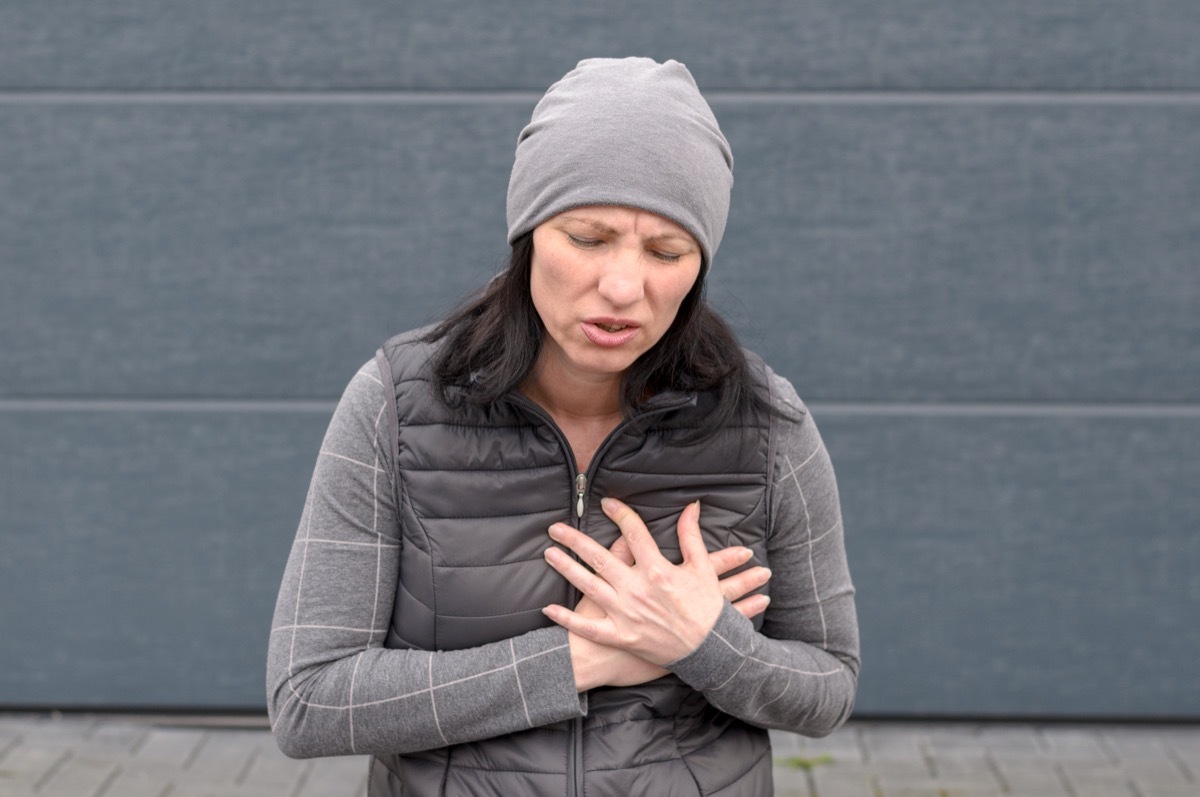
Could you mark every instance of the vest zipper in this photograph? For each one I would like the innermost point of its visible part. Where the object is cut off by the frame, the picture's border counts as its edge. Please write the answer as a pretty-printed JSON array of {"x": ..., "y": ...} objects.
[
  {"x": 582, "y": 479},
  {"x": 575, "y": 741},
  {"x": 580, "y": 489}
]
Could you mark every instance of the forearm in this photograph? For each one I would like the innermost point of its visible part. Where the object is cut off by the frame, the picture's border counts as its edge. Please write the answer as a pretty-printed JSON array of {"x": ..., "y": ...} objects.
[
  {"x": 378, "y": 701},
  {"x": 800, "y": 672},
  {"x": 332, "y": 687},
  {"x": 772, "y": 683}
]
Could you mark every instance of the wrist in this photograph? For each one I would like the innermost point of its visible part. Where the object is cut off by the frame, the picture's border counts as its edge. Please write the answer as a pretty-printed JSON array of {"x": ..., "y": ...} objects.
[
  {"x": 584, "y": 662},
  {"x": 692, "y": 636},
  {"x": 721, "y": 654}
]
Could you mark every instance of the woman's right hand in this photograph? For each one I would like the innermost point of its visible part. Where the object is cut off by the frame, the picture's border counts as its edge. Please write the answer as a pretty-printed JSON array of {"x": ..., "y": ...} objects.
[{"x": 600, "y": 665}]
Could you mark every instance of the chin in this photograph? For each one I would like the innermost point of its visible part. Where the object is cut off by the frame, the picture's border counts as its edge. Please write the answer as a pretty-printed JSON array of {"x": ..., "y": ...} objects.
[{"x": 611, "y": 364}]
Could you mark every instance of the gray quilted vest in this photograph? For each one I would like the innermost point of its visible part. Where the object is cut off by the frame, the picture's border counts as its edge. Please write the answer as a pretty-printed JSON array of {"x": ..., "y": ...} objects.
[{"x": 477, "y": 488}]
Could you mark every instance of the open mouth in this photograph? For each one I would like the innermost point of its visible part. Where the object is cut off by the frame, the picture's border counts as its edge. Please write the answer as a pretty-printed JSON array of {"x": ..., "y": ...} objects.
[{"x": 612, "y": 327}]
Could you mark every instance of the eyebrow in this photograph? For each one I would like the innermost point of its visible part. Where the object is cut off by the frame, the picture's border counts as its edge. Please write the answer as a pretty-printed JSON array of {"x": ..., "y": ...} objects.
[
  {"x": 595, "y": 225},
  {"x": 604, "y": 228}
]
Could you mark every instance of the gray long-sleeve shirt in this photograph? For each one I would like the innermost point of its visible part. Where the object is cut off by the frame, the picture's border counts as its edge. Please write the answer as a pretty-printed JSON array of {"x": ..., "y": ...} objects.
[{"x": 333, "y": 688}]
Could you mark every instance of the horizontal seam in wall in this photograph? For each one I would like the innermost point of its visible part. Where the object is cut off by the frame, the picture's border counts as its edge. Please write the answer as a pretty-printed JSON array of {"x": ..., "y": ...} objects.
[
  {"x": 721, "y": 97},
  {"x": 324, "y": 407},
  {"x": 1037, "y": 409},
  {"x": 1015, "y": 409}
]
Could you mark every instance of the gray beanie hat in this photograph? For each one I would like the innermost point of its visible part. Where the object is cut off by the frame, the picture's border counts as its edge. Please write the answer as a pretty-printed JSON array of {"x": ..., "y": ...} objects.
[{"x": 629, "y": 132}]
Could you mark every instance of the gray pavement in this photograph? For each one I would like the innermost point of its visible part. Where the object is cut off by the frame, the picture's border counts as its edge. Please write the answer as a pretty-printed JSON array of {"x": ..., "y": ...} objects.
[{"x": 157, "y": 756}]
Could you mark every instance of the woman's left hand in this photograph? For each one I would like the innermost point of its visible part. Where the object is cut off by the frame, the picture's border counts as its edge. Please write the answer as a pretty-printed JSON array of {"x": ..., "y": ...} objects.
[{"x": 657, "y": 610}]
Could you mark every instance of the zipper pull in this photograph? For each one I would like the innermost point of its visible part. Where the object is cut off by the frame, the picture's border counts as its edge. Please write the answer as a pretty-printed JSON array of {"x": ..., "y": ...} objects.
[{"x": 580, "y": 489}]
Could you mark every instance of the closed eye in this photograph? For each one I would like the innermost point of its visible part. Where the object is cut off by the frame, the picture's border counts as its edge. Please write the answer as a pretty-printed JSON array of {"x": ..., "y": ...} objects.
[
  {"x": 666, "y": 257},
  {"x": 584, "y": 243}
]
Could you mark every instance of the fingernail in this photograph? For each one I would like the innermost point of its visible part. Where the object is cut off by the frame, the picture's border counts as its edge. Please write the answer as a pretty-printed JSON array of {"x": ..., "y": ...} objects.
[
  {"x": 555, "y": 531},
  {"x": 766, "y": 574},
  {"x": 746, "y": 555},
  {"x": 607, "y": 504}
]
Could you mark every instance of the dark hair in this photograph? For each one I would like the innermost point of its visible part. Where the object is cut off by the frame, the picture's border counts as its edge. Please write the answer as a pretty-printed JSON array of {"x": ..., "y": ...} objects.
[{"x": 492, "y": 342}]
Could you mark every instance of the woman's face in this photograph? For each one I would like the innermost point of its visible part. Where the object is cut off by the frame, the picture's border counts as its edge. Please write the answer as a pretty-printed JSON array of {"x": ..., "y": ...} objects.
[{"x": 607, "y": 283}]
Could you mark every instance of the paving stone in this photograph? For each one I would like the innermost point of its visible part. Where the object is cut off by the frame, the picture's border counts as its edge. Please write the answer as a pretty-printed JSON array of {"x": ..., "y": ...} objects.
[
  {"x": 1088, "y": 778},
  {"x": 223, "y": 756},
  {"x": 112, "y": 739},
  {"x": 843, "y": 746},
  {"x": 8, "y": 738},
  {"x": 965, "y": 763},
  {"x": 273, "y": 771},
  {"x": 936, "y": 787},
  {"x": 900, "y": 768},
  {"x": 204, "y": 790},
  {"x": 1012, "y": 742},
  {"x": 1164, "y": 773},
  {"x": 166, "y": 748},
  {"x": 136, "y": 784},
  {"x": 832, "y": 782},
  {"x": 1184, "y": 750},
  {"x": 1190, "y": 790},
  {"x": 953, "y": 739},
  {"x": 1136, "y": 744},
  {"x": 886, "y": 743},
  {"x": 344, "y": 776},
  {"x": 88, "y": 757},
  {"x": 791, "y": 781},
  {"x": 1025, "y": 775},
  {"x": 79, "y": 777},
  {"x": 52, "y": 730},
  {"x": 1074, "y": 745},
  {"x": 28, "y": 763}
]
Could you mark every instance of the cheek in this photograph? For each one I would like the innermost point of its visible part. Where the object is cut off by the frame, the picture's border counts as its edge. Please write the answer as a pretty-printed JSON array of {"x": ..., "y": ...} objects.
[
  {"x": 538, "y": 292},
  {"x": 547, "y": 289},
  {"x": 677, "y": 292}
]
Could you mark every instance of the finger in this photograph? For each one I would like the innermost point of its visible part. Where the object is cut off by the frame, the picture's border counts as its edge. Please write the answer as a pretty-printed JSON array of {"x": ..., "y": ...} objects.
[
  {"x": 595, "y": 555},
  {"x": 727, "y": 559},
  {"x": 644, "y": 549},
  {"x": 752, "y": 606},
  {"x": 576, "y": 623},
  {"x": 620, "y": 549},
  {"x": 691, "y": 543},
  {"x": 584, "y": 580},
  {"x": 742, "y": 584}
]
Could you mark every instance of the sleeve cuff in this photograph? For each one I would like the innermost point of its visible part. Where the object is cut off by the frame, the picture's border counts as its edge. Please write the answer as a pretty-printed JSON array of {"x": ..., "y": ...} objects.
[
  {"x": 544, "y": 668},
  {"x": 722, "y": 653}
]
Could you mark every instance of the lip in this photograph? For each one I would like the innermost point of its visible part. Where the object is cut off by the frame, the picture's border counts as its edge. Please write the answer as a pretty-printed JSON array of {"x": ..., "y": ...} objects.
[{"x": 606, "y": 339}]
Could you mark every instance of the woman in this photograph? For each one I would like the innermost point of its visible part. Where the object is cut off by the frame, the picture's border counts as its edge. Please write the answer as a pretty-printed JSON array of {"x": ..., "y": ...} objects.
[{"x": 589, "y": 409}]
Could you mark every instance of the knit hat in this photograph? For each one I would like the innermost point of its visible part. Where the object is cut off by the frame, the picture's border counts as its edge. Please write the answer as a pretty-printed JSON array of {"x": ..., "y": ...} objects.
[{"x": 628, "y": 132}]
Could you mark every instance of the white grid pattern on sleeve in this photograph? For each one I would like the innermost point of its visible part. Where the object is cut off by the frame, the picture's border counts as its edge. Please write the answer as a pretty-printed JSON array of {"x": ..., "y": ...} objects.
[
  {"x": 376, "y": 631},
  {"x": 812, "y": 569},
  {"x": 378, "y": 545}
]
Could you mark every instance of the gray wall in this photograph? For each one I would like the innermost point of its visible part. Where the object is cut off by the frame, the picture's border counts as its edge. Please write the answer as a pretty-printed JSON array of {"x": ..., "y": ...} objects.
[{"x": 968, "y": 231}]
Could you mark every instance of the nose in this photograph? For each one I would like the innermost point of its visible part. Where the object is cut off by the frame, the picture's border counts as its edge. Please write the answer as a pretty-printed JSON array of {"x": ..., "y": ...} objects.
[{"x": 622, "y": 280}]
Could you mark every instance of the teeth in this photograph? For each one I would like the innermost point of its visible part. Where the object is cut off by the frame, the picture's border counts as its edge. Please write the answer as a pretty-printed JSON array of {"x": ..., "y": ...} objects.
[{"x": 611, "y": 328}]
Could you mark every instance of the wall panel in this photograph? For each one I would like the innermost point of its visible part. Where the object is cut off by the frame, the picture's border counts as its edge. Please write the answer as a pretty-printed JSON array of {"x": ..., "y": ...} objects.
[
  {"x": 924, "y": 251},
  {"x": 1023, "y": 564},
  {"x": 1007, "y": 564},
  {"x": 526, "y": 44},
  {"x": 143, "y": 550},
  {"x": 967, "y": 230}
]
